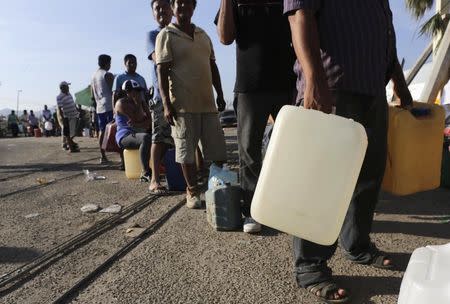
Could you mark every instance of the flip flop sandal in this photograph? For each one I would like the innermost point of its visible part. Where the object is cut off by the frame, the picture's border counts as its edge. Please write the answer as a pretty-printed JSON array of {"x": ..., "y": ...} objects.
[
  {"x": 325, "y": 290},
  {"x": 378, "y": 260},
  {"x": 145, "y": 178},
  {"x": 161, "y": 190}
]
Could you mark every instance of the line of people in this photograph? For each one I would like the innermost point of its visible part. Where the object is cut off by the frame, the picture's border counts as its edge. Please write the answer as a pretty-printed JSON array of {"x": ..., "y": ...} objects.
[
  {"x": 318, "y": 54},
  {"x": 188, "y": 116},
  {"x": 26, "y": 123}
]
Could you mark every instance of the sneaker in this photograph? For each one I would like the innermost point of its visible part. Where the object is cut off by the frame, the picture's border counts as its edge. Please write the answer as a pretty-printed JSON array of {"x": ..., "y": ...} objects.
[
  {"x": 145, "y": 177},
  {"x": 251, "y": 226},
  {"x": 104, "y": 161},
  {"x": 193, "y": 201},
  {"x": 65, "y": 147}
]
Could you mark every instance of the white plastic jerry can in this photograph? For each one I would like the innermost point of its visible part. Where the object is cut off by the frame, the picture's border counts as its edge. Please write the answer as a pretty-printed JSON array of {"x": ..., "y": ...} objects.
[
  {"x": 427, "y": 278},
  {"x": 309, "y": 174}
]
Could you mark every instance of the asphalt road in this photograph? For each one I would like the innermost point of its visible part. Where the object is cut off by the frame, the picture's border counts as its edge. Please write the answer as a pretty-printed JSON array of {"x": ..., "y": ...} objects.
[{"x": 185, "y": 261}]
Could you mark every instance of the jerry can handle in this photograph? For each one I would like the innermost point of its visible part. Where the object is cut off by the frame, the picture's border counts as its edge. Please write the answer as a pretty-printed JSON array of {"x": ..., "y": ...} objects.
[
  {"x": 420, "y": 112},
  {"x": 299, "y": 104}
]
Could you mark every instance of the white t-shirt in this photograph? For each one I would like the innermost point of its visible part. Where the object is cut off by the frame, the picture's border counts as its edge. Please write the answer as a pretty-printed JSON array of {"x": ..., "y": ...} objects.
[{"x": 102, "y": 92}]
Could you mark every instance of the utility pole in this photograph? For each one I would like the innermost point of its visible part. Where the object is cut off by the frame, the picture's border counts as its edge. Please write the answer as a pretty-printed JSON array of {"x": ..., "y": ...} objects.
[{"x": 18, "y": 93}]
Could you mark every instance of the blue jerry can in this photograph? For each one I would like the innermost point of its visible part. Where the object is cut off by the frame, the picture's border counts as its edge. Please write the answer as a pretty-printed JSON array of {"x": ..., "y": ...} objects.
[{"x": 223, "y": 207}]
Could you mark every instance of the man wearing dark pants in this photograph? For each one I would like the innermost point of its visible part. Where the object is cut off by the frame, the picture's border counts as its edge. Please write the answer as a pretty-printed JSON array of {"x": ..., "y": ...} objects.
[
  {"x": 264, "y": 83},
  {"x": 347, "y": 65}
]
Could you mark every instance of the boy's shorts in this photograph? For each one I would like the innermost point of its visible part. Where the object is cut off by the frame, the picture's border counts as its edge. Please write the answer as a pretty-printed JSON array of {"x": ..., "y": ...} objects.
[
  {"x": 73, "y": 124},
  {"x": 161, "y": 132},
  {"x": 190, "y": 128},
  {"x": 104, "y": 119}
]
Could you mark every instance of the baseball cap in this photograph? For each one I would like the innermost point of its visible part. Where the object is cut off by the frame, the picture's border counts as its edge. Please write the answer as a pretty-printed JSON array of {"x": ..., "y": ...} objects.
[
  {"x": 131, "y": 85},
  {"x": 64, "y": 83}
]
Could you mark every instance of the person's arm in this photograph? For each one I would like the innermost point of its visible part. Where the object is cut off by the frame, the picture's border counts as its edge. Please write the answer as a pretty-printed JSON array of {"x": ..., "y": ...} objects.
[
  {"x": 148, "y": 116},
  {"x": 398, "y": 78},
  {"x": 217, "y": 86},
  {"x": 164, "y": 61},
  {"x": 60, "y": 112},
  {"x": 116, "y": 92},
  {"x": 116, "y": 97},
  {"x": 118, "y": 107},
  {"x": 92, "y": 93},
  {"x": 305, "y": 39},
  {"x": 401, "y": 89},
  {"x": 226, "y": 28},
  {"x": 151, "y": 46},
  {"x": 146, "y": 94},
  {"x": 163, "y": 79},
  {"x": 135, "y": 118},
  {"x": 109, "y": 77}
]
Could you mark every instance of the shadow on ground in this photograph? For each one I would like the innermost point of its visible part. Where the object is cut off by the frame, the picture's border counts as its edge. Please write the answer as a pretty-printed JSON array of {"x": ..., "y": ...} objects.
[
  {"x": 433, "y": 230},
  {"x": 434, "y": 203},
  {"x": 364, "y": 288},
  {"x": 51, "y": 167},
  {"x": 17, "y": 255}
]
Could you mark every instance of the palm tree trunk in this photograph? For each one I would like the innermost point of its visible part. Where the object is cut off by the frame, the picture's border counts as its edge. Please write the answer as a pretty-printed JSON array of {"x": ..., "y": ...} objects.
[{"x": 442, "y": 7}]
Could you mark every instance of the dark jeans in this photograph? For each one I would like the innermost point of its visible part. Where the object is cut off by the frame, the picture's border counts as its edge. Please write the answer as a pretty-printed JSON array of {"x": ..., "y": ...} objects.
[
  {"x": 253, "y": 111},
  {"x": 141, "y": 141},
  {"x": 311, "y": 259}
]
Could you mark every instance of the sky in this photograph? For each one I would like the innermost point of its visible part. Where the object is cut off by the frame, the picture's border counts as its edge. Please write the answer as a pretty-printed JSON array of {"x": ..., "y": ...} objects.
[{"x": 48, "y": 41}]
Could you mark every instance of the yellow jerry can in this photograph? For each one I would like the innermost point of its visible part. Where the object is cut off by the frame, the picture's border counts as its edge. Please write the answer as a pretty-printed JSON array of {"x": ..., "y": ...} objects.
[
  {"x": 414, "y": 149},
  {"x": 133, "y": 167}
]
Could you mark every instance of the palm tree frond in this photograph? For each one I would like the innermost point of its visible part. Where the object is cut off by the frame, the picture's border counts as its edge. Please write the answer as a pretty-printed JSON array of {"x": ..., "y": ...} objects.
[
  {"x": 434, "y": 26},
  {"x": 419, "y": 7}
]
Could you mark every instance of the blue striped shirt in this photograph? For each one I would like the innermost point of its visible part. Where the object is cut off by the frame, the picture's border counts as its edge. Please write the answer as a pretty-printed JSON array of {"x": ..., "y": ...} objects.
[{"x": 357, "y": 42}]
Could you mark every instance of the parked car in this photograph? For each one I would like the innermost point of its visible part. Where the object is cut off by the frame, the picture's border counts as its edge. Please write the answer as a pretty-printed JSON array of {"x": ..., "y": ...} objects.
[{"x": 228, "y": 119}]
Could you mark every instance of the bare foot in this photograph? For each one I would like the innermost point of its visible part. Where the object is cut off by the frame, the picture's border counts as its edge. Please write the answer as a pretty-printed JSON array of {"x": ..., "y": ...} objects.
[{"x": 157, "y": 188}]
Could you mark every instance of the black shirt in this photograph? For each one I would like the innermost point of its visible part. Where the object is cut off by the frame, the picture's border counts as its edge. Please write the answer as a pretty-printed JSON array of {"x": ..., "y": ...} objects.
[{"x": 264, "y": 52}]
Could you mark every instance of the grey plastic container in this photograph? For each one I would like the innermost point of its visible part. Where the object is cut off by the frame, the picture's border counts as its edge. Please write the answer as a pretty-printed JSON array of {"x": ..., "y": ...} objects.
[{"x": 223, "y": 207}]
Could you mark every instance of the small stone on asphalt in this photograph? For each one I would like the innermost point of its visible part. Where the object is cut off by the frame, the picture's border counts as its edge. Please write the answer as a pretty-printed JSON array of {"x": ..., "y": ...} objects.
[
  {"x": 112, "y": 209},
  {"x": 89, "y": 208}
]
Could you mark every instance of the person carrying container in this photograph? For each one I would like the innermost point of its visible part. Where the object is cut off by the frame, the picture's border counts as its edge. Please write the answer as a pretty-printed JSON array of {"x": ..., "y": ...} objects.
[
  {"x": 346, "y": 53},
  {"x": 33, "y": 121}
]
